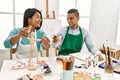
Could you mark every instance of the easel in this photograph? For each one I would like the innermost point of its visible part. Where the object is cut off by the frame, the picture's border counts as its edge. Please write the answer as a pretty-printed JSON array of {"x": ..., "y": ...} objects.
[{"x": 47, "y": 13}]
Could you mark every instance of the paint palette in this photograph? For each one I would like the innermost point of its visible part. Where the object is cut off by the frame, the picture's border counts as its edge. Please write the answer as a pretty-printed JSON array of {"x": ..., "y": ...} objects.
[
  {"x": 82, "y": 75},
  {"x": 18, "y": 66},
  {"x": 59, "y": 59}
]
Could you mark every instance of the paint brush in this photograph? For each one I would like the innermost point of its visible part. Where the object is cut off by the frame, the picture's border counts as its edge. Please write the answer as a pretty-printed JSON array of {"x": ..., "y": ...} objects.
[
  {"x": 104, "y": 50},
  {"x": 108, "y": 55},
  {"x": 78, "y": 58}
]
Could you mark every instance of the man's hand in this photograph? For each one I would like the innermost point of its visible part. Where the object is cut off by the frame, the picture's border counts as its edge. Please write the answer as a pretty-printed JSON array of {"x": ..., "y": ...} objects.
[
  {"x": 56, "y": 39},
  {"x": 100, "y": 57}
]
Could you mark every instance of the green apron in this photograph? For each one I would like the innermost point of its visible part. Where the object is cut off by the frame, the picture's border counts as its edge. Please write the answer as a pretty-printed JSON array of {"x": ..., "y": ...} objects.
[{"x": 71, "y": 43}]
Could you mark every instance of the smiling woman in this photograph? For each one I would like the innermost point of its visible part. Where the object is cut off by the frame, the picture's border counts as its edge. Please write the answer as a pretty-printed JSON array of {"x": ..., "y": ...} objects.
[{"x": 32, "y": 22}]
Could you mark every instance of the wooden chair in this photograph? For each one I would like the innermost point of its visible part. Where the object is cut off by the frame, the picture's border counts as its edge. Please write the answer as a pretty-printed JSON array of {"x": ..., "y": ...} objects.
[
  {"x": 12, "y": 51},
  {"x": 118, "y": 54},
  {"x": 114, "y": 53},
  {"x": 47, "y": 52}
]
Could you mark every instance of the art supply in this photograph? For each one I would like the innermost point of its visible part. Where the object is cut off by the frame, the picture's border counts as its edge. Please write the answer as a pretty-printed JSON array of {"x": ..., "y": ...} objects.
[
  {"x": 115, "y": 65},
  {"x": 104, "y": 50},
  {"x": 44, "y": 67},
  {"x": 80, "y": 66},
  {"x": 91, "y": 61},
  {"x": 59, "y": 59},
  {"x": 67, "y": 68},
  {"x": 67, "y": 75},
  {"x": 108, "y": 63},
  {"x": 82, "y": 75},
  {"x": 47, "y": 11},
  {"x": 32, "y": 40},
  {"x": 68, "y": 63},
  {"x": 78, "y": 58}
]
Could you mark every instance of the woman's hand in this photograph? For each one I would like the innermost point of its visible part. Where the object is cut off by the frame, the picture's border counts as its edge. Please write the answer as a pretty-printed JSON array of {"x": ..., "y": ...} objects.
[
  {"x": 45, "y": 43},
  {"x": 25, "y": 31}
]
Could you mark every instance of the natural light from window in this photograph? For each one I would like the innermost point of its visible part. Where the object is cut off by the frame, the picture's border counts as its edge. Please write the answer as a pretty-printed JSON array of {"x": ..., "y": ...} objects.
[
  {"x": 19, "y": 20},
  {"x": 65, "y": 5},
  {"x": 25, "y": 4},
  {"x": 6, "y": 23},
  {"x": 6, "y": 6},
  {"x": 84, "y": 7}
]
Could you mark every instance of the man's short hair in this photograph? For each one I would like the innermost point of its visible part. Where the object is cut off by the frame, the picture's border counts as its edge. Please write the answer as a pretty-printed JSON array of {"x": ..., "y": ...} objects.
[{"x": 73, "y": 11}]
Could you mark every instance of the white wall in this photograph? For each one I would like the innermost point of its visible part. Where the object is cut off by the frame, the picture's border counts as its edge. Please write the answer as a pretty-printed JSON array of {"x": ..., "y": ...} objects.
[{"x": 103, "y": 23}]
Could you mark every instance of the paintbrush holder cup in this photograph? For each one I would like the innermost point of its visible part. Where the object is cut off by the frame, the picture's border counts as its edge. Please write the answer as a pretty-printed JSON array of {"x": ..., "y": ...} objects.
[
  {"x": 67, "y": 75},
  {"x": 108, "y": 65}
]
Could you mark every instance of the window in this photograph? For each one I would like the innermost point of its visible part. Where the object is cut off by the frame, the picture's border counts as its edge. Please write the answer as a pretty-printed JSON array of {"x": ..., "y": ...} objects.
[
  {"x": 11, "y": 15},
  {"x": 24, "y": 3},
  {"x": 65, "y": 5},
  {"x": 118, "y": 31},
  {"x": 84, "y": 7},
  {"x": 6, "y": 24},
  {"x": 19, "y": 20},
  {"x": 20, "y": 10},
  {"x": 81, "y": 5},
  {"x": 6, "y": 6}
]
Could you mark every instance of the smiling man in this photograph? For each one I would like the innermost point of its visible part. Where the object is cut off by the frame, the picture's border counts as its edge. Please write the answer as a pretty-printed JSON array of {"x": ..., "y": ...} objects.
[{"x": 70, "y": 39}]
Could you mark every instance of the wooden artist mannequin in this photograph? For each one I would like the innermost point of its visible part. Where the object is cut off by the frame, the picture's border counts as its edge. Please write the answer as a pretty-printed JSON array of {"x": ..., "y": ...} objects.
[{"x": 32, "y": 50}]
